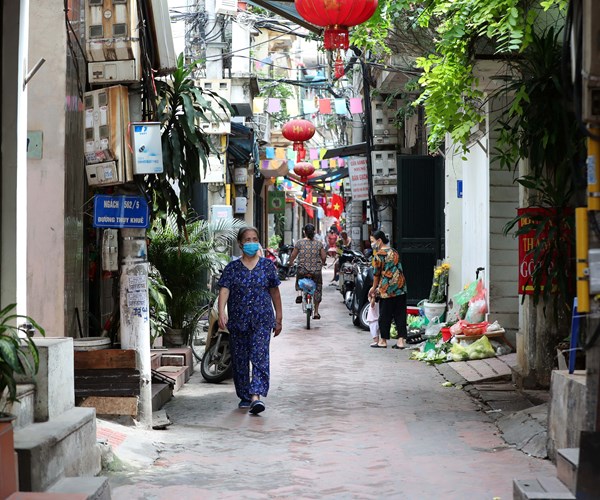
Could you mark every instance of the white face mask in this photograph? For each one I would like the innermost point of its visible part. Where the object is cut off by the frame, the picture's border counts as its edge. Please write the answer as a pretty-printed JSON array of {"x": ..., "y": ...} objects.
[{"x": 375, "y": 246}]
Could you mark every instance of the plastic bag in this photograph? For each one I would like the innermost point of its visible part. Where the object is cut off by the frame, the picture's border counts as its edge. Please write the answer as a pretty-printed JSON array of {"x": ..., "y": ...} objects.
[
  {"x": 433, "y": 328},
  {"x": 458, "y": 353},
  {"x": 456, "y": 328},
  {"x": 480, "y": 349},
  {"x": 477, "y": 305},
  {"x": 307, "y": 285},
  {"x": 459, "y": 303}
]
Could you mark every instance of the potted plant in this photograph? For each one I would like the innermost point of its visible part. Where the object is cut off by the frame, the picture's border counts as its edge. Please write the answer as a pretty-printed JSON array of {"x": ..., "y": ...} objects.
[
  {"x": 436, "y": 304},
  {"x": 184, "y": 264},
  {"x": 18, "y": 356}
]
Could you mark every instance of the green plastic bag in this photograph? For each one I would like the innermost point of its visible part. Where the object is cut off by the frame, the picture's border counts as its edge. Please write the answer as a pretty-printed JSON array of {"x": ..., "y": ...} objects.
[
  {"x": 480, "y": 349},
  {"x": 458, "y": 353}
]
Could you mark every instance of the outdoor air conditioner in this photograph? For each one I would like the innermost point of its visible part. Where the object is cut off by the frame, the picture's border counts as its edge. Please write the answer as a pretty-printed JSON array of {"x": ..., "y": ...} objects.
[
  {"x": 107, "y": 156},
  {"x": 112, "y": 30},
  {"x": 166, "y": 59}
]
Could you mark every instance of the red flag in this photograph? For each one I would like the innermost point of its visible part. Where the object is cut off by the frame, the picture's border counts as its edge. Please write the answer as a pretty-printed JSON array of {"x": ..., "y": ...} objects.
[
  {"x": 309, "y": 197},
  {"x": 337, "y": 206}
]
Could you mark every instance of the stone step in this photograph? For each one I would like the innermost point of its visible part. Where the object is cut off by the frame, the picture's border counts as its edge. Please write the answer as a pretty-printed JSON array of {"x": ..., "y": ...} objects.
[
  {"x": 542, "y": 488},
  {"x": 63, "y": 446},
  {"x": 24, "y": 409},
  {"x": 567, "y": 461},
  {"x": 179, "y": 375},
  {"x": 94, "y": 488},
  {"x": 161, "y": 395}
]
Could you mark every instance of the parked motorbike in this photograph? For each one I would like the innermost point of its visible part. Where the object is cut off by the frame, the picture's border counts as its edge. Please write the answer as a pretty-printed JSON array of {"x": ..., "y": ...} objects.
[
  {"x": 216, "y": 365},
  {"x": 284, "y": 270},
  {"x": 346, "y": 262},
  {"x": 363, "y": 281}
]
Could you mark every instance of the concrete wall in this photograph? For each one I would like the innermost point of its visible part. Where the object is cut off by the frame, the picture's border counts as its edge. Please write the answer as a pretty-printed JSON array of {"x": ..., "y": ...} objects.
[
  {"x": 453, "y": 212},
  {"x": 13, "y": 174},
  {"x": 46, "y": 183},
  {"x": 566, "y": 414}
]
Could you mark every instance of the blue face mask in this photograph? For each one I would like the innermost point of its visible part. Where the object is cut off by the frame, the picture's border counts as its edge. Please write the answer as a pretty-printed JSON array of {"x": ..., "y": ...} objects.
[{"x": 250, "y": 249}]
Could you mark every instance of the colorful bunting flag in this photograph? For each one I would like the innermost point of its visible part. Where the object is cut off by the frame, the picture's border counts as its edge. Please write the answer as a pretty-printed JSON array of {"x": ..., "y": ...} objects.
[
  {"x": 340, "y": 106},
  {"x": 291, "y": 106},
  {"x": 270, "y": 152},
  {"x": 309, "y": 106},
  {"x": 258, "y": 105},
  {"x": 274, "y": 105},
  {"x": 356, "y": 105},
  {"x": 325, "y": 106},
  {"x": 313, "y": 154}
]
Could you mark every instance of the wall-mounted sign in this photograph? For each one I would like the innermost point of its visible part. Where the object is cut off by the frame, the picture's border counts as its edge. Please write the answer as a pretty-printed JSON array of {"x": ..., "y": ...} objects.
[
  {"x": 120, "y": 211},
  {"x": 276, "y": 202},
  {"x": 147, "y": 148},
  {"x": 359, "y": 178}
]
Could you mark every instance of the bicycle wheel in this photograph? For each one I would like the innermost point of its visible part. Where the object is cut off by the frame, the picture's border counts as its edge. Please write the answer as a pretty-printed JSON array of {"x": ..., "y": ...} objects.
[{"x": 308, "y": 312}]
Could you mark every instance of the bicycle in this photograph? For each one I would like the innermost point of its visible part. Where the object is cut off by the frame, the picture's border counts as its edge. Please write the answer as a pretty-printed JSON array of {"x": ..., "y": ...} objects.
[{"x": 308, "y": 288}]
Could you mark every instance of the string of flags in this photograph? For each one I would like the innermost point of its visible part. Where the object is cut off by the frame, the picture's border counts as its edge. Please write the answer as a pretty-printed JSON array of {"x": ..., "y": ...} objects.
[
  {"x": 339, "y": 106},
  {"x": 274, "y": 157}
]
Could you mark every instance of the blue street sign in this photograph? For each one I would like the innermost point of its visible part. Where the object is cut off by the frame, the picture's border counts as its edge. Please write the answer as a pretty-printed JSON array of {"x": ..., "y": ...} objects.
[
  {"x": 120, "y": 211},
  {"x": 459, "y": 188}
]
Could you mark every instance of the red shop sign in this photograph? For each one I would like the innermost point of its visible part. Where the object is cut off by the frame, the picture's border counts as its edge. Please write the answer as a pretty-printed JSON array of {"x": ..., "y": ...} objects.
[{"x": 528, "y": 242}]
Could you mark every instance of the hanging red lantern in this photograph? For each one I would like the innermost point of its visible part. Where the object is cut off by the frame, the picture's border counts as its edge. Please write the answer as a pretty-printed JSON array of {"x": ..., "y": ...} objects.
[
  {"x": 298, "y": 131},
  {"x": 336, "y": 16},
  {"x": 304, "y": 170}
]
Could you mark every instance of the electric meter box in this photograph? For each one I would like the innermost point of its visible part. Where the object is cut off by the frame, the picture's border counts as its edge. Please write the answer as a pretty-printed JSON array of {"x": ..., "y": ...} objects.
[
  {"x": 106, "y": 115},
  {"x": 240, "y": 175},
  {"x": 219, "y": 212},
  {"x": 103, "y": 72},
  {"x": 147, "y": 148},
  {"x": 112, "y": 30},
  {"x": 240, "y": 205}
]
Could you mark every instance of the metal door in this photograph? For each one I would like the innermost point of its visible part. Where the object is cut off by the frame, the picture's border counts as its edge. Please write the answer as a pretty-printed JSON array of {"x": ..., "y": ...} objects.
[{"x": 419, "y": 232}]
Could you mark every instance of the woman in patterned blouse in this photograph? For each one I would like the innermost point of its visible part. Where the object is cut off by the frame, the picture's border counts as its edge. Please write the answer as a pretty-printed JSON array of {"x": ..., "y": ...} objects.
[
  {"x": 389, "y": 283},
  {"x": 250, "y": 289},
  {"x": 311, "y": 259}
]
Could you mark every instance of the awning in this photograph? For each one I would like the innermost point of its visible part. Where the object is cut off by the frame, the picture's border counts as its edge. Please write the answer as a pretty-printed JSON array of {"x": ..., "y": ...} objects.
[
  {"x": 332, "y": 176},
  {"x": 287, "y": 10},
  {"x": 351, "y": 150}
]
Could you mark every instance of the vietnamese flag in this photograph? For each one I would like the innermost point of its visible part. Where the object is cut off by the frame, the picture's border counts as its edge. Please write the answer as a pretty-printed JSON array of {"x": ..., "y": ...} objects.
[
  {"x": 309, "y": 197},
  {"x": 337, "y": 206}
]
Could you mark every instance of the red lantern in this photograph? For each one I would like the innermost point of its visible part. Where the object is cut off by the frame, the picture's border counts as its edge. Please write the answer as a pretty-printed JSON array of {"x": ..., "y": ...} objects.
[
  {"x": 336, "y": 16},
  {"x": 298, "y": 131},
  {"x": 304, "y": 170}
]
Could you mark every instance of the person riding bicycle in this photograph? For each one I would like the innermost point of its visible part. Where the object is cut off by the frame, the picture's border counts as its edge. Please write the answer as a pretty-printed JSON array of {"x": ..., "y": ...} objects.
[{"x": 311, "y": 259}]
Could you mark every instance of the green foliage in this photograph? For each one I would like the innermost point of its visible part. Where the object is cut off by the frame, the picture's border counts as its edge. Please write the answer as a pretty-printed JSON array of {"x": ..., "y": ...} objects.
[
  {"x": 181, "y": 108},
  {"x": 18, "y": 355},
  {"x": 184, "y": 264}
]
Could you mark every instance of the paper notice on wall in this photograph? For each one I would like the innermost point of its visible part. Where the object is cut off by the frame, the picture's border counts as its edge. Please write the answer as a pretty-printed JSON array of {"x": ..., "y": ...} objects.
[
  {"x": 137, "y": 294},
  {"x": 359, "y": 178}
]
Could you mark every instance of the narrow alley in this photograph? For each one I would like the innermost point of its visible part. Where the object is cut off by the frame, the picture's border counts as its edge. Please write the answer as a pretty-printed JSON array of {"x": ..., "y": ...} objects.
[{"x": 342, "y": 421}]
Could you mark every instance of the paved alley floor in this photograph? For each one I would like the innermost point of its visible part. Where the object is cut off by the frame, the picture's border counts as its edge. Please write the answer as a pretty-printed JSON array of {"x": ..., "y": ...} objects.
[{"x": 343, "y": 420}]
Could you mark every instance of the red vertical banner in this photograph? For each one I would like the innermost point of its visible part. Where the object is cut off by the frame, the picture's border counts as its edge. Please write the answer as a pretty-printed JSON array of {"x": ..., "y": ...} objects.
[{"x": 526, "y": 244}]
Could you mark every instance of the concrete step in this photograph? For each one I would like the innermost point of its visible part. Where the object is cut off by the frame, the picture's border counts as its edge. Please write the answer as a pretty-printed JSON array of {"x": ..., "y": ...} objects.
[
  {"x": 542, "y": 488},
  {"x": 179, "y": 375},
  {"x": 567, "y": 461},
  {"x": 64, "y": 446},
  {"x": 94, "y": 488},
  {"x": 25, "y": 408},
  {"x": 161, "y": 395}
]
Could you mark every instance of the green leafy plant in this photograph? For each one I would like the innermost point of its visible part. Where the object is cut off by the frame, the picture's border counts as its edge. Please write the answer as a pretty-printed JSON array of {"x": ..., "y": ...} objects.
[
  {"x": 181, "y": 107},
  {"x": 184, "y": 264},
  {"x": 15, "y": 352},
  {"x": 158, "y": 294}
]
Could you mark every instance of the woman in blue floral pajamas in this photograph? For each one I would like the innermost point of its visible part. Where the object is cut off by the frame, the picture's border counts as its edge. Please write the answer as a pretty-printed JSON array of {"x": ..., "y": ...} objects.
[{"x": 250, "y": 289}]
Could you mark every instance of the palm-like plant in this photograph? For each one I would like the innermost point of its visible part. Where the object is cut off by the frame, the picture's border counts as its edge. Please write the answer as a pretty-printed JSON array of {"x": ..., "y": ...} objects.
[
  {"x": 13, "y": 359},
  {"x": 184, "y": 264},
  {"x": 182, "y": 106}
]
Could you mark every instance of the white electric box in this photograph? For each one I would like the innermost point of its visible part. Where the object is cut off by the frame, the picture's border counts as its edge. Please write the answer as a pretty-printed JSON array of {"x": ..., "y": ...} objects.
[
  {"x": 112, "y": 32},
  {"x": 103, "y": 72},
  {"x": 107, "y": 156},
  {"x": 147, "y": 147},
  {"x": 226, "y": 7},
  {"x": 240, "y": 205},
  {"x": 110, "y": 250},
  {"x": 165, "y": 58},
  {"x": 213, "y": 89},
  {"x": 102, "y": 174},
  {"x": 216, "y": 127},
  {"x": 219, "y": 212},
  {"x": 240, "y": 175}
]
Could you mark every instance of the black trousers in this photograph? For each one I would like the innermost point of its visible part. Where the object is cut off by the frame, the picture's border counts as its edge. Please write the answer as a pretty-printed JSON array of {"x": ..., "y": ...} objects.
[{"x": 393, "y": 308}]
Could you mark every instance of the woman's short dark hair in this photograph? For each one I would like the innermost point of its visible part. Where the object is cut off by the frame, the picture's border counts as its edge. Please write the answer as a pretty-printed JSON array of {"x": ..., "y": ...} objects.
[
  {"x": 244, "y": 230},
  {"x": 380, "y": 235},
  {"x": 309, "y": 231}
]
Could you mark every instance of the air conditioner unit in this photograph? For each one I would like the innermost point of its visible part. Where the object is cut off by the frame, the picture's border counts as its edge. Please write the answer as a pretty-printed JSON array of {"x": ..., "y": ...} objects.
[
  {"x": 112, "y": 30},
  {"x": 103, "y": 72},
  {"x": 215, "y": 173},
  {"x": 106, "y": 121},
  {"x": 166, "y": 59},
  {"x": 226, "y": 7},
  {"x": 215, "y": 128}
]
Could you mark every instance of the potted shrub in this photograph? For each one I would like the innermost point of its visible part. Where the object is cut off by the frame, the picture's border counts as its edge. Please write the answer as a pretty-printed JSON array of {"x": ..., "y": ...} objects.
[
  {"x": 436, "y": 304},
  {"x": 184, "y": 263},
  {"x": 18, "y": 356}
]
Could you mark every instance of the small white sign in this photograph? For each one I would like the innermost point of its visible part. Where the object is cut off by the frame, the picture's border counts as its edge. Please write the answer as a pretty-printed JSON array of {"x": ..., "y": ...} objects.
[
  {"x": 147, "y": 148},
  {"x": 359, "y": 178}
]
